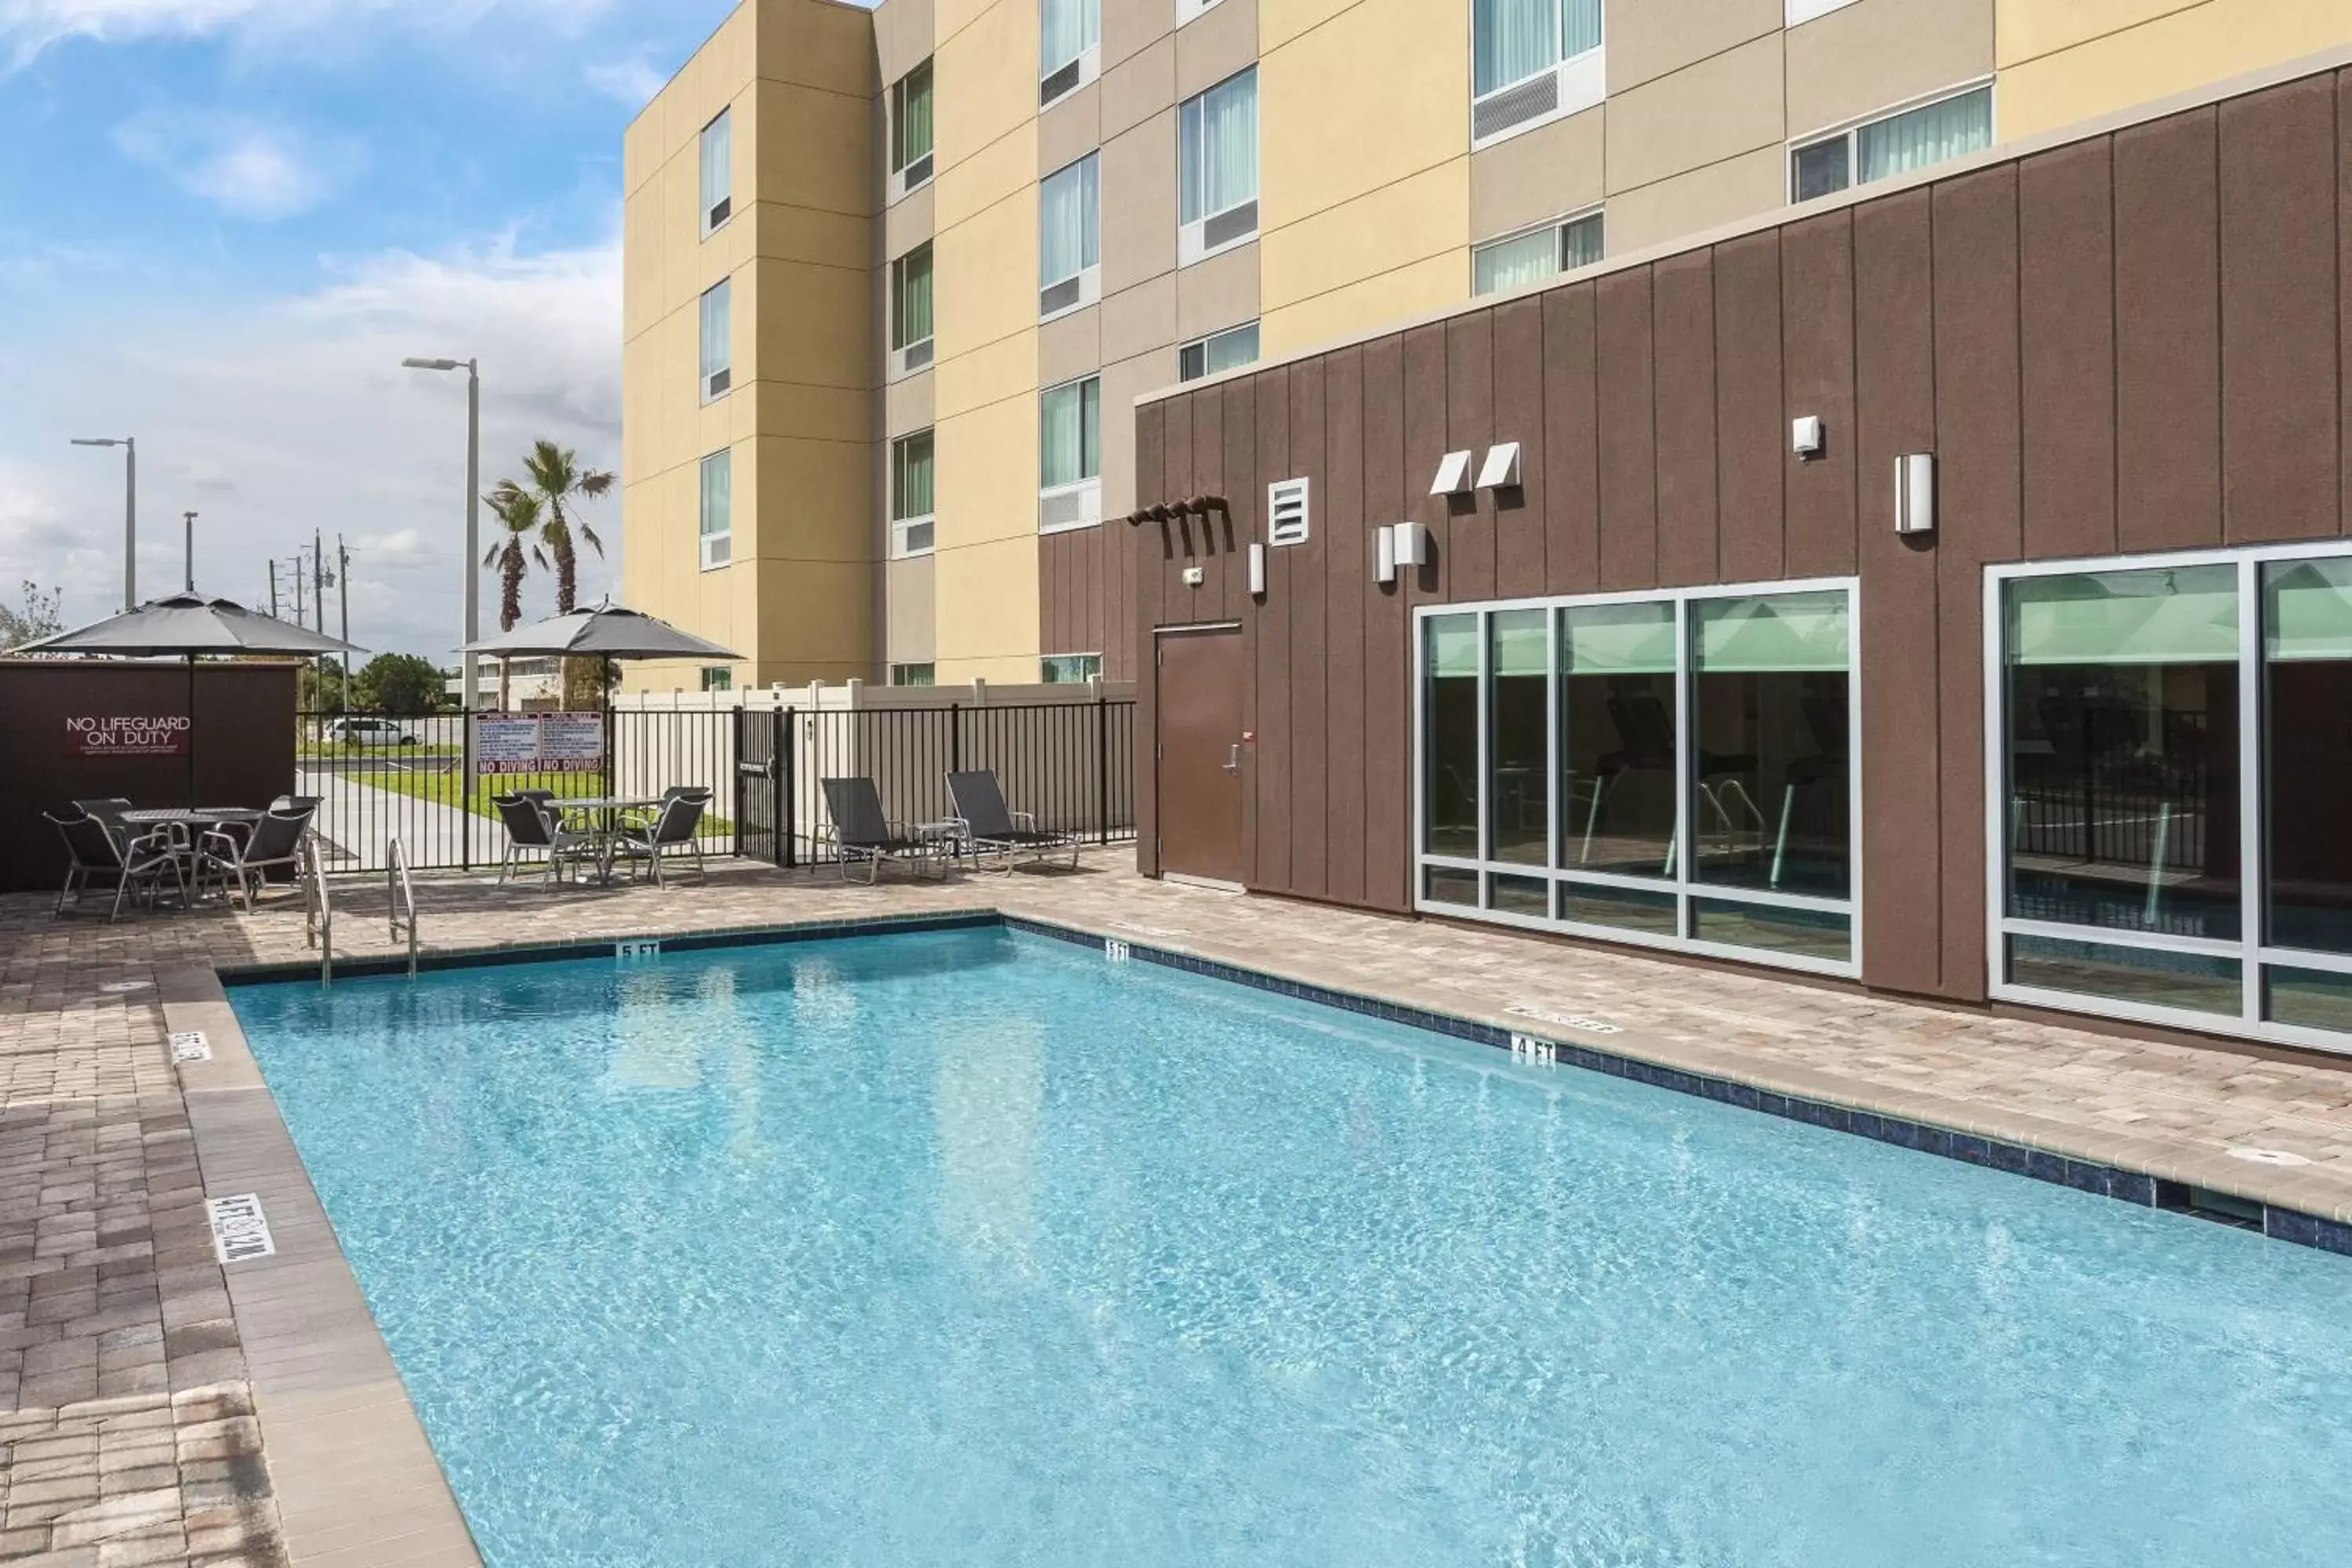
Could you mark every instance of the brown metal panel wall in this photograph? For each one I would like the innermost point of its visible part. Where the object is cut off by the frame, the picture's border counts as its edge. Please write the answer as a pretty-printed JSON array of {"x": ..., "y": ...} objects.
[
  {"x": 1629, "y": 447},
  {"x": 2344, "y": 271},
  {"x": 1572, "y": 443},
  {"x": 1817, "y": 342},
  {"x": 1305, "y": 571},
  {"x": 1519, "y": 416},
  {"x": 1148, "y": 550},
  {"x": 2280, "y": 418},
  {"x": 1470, "y": 423},
  {"x": 1270, "y": 619},
  {"x": 1895, "y": 404},
  {"x": 1684, "y": 331},
  {"x": 1977, "y": 519},
  {"x": 1236, "y": 527},
  {"x": 2066, "y": 311},
  {"x": 1387, "y": 714},
  {"x": 1348, "y": 582},
  {"x": 1752, "y": 432},
  {"x": 1425, "y": 447},
  {"x": 2167, "y": 335}
]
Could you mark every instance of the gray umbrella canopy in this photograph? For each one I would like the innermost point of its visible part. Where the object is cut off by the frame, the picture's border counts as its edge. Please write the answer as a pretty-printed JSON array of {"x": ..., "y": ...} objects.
[
  {"x": 190, "y": 624},
  {"x": 600, "y": 631}
]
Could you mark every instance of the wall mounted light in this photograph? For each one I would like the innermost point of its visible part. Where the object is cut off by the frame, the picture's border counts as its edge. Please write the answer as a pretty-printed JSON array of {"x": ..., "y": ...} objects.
[
  {"x": 1915, "y": 493},
  {"x": 1452, "y": 474},
  {"x": 1383, "y": 555},
  {"x": 1805, "y": 436},
  {"x": 1257, "y": 571},
  {"x": 1500, "y": 472},
  {"x": 1412, "y": 545}
]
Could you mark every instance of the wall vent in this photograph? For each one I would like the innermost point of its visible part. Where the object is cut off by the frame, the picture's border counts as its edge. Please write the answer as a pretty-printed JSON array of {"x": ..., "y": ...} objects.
[
  {"x": 1060, "y": 83},
  {"x": 717, "y": 549},
  {"x": 1285, "y": 511},
  {"x": 719, "y": 212},
  {"x": 1072, "y": 506},
  {"x": 1229, "y": 226},
  {"x": 720, "y": 380},
  {"x": 1515, "y": 106}
]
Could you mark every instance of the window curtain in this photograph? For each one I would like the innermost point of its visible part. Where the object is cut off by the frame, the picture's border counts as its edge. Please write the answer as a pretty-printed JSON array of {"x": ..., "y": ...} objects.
[
  {"x": 1579, "y": 243},
  {"x": 1515, "y": 263},
  {"x": 1227, "y": 350},
  {"x": 1772, "y": 632},
  {"x": 914, "y": 128},
  {"x": 1618, "y": 639},
  {"x": 717, "y": 183},
  {"x": 718, "y": 484},
  {"x": 2183, "y": 616},
  {"x": 2307, "y": 610},
  {"x": 1450, "y": 645},
  {"x": 1069, "y": 434},
  {"x": 1067, "y": 29},
  {"x": 714, "y": 331},
  {"x": 1580, "y": 27},
  {"x": 1069, "y": 220},
  {"x": 913, "y": 322},
  {"x": 1517, "y": 39},
  {"x": 1219, "y": 148},
  {"x": 1931, "y": 133},
  {"x": 911, "y": 488}
]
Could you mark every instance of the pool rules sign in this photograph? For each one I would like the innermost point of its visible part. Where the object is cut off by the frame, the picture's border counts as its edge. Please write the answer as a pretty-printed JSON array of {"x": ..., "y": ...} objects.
[
  {"x": 538, "y": 743},
  {"x": 127, "y": 734}
]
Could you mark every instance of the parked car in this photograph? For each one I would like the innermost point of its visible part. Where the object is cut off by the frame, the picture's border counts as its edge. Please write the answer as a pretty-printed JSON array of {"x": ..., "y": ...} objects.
[{"x": 368, "y": 732}]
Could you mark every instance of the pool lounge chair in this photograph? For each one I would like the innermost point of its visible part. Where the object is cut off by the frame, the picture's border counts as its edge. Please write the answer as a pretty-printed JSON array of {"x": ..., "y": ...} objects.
[
  {"x": 860, "y": 833},
  {"x": 532, "y": 830},
  {"x": 139, "y": 865},
  {"x": 673, "y": 833},
  {"x": 984, "y": 826}
]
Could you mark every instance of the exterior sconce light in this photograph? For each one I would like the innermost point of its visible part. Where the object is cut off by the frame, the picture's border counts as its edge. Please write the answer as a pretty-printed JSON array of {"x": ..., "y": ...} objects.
[
  {"x": 1257, "y": 571},
  {"x": 1805, "y": 437},
  {"x": 1412, "y": 545},
  {"x": 1452, "y": 476},
  {"x": 1500, "y": 472},
  {"x": 1384, "y": 556},
  {"x": 1915, "y": 493}
]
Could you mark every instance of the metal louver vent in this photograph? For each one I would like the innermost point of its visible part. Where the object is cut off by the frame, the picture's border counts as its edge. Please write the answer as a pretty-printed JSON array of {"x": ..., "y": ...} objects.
[
  {"x": 1229, "y": 226},
  {"x": 718, "y": 212},
  {"x": 1060, "y": 83},
  {"x": 1515, "y": 106},
  {"x": 1058, "y": 297},
  {"x": 1285, "y": 511},
  {"x": 720, "y": 380},
  {"x": 1075, "y": 508}
]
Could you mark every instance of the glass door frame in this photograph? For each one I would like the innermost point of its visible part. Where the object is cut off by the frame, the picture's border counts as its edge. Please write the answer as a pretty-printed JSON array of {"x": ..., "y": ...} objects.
[
  {"x": 2252, "y": 951},
  {"x": 1683, "y": 887}
]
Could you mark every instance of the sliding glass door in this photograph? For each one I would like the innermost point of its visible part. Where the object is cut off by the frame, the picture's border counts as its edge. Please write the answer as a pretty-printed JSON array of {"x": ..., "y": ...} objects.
[
  {"x": 2166, "y": 841},
  {"x": 1673, "y": 768}
]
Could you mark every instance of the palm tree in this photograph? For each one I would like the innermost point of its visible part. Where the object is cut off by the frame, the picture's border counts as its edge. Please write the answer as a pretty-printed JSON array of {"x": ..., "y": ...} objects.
[
  {"x": 559, "y": 484},
  {"x": 517, "y": 512}
]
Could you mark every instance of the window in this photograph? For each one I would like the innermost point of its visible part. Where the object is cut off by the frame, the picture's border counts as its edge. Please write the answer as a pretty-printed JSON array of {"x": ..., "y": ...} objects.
[
  {"x": 717, "y": 173},
  {"x": 910, "y": 494},
  {"x": 1069, "y": 668},
  {"x": 1218, "y": 352},
  {"x": 911, "y": 131},
  {"x": 2167, "y": 840},
  {"x": 718, "y": 526},
  {"x": 914, "y": 674},
  {"x": 1188, "y": 9},
  {"x": 1668, "y": 769},
  {"x": 1525, "y": 259},
  {"x": 1069, "y": 39},
  {"x": 717, "y": 350},
  {"x": 1932, "y": 133},
  {"x": 1532, "y": 60},
  {"x": 718, "y": 678},
  {"x": 1069, "y": 237},
  {"x": 911, "y": 309},
  {"x": 1069, "y": 456},
  {"x": 1216, "y": 167}
]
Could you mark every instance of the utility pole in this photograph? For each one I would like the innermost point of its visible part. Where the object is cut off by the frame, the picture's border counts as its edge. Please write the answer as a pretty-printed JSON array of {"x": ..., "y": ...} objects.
[
  {"x": 344, "y": 596},
  {"x": 189, "y": 520},
  {"x": 273, "y": 588},
  {"x": 318, "y": 577}
]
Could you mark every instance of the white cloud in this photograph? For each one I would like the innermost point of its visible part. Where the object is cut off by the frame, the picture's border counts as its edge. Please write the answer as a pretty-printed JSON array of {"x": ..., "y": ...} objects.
[
  {"x": 296, "y": 415},
  {"x": 242, "y": 166},
  {"x": 30, "y": 27},
  {"x": 632, "y": 81}
]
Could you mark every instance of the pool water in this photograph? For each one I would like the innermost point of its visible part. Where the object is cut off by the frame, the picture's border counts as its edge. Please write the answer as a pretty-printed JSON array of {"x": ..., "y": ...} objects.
[{"x": 971, "y": 1247}]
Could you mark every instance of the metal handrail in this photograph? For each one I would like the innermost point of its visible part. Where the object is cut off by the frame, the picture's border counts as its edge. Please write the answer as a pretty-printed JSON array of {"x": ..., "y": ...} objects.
[
  {"x": 400, "y": 900},
  {"x": 318, "y": 909}
]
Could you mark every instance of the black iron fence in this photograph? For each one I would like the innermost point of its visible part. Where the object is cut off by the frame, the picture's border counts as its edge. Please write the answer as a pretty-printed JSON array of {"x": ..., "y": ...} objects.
[{"x": 378, "y": 777}]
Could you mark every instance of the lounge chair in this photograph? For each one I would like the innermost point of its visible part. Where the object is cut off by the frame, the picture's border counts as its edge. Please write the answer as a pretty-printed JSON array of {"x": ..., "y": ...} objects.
[
  {"x": 95, "y": 852},
  {"x": 246, "y": 856},
  {"x": 676, "y": 829},
  {"x": 985, "y": 828},
  {"x": 860, "y": 833},
  {"x": 532, "y": 830}
]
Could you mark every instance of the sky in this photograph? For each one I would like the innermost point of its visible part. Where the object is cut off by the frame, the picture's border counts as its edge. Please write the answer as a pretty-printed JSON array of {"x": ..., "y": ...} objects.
[{"x": 224, "y": 224}]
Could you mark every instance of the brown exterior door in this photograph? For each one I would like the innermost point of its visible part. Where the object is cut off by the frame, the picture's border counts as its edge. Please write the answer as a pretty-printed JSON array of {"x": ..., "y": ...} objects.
[{"x": 1199, "y": 744}]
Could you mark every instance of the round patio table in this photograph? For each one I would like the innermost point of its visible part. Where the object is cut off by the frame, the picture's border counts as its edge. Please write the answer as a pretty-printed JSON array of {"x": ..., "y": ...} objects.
[
  {"x": 601, "y": 815},
  {"x": 195, "y": 818}
]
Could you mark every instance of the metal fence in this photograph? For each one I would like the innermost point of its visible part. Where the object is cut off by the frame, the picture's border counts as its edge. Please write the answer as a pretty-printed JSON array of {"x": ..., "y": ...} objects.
[{"x": 379, "y": 777}]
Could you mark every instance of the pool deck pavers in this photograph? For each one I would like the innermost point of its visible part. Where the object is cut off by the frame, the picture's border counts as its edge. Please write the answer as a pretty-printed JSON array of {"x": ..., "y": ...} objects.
[{"x": 158, "y": 1407}]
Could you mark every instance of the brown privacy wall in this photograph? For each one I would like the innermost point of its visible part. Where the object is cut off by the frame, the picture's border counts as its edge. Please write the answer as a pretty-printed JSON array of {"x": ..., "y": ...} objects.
[
  {"x": 244, "y": 746},
  {"x": 2130, "y": 343},
  {"x": 1085, "y": 598}
]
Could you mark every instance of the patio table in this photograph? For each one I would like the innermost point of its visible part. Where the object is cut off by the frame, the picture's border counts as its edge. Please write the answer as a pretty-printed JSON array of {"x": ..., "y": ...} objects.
[
  {"x": 601, "y": 815},
  {"x": 197, "y": 818}
]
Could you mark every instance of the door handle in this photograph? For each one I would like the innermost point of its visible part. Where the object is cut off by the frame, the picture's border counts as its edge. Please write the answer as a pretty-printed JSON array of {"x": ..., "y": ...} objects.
[{"x": 1234, "y": 758}]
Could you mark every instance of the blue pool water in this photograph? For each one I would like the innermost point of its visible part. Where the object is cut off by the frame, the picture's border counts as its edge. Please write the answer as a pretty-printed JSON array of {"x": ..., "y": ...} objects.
[{"x": 968, "y": 1247}]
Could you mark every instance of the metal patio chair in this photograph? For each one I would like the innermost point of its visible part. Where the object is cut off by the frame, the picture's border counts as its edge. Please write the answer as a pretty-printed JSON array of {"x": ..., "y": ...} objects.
[
  {"x": 984, "y": 826},
  {"x": 676, "y": 827},
  {"x": 531, "y": 829},
  {"x": 859, "y": 832},
  {"x": 248, "y": 856},
  {"x": 108, "y": 809},
  {"x": 94, "y": 852}
]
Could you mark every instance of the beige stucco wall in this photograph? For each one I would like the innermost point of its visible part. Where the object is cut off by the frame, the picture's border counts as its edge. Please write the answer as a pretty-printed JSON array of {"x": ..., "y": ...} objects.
[{"x": 2065, "y": 60}]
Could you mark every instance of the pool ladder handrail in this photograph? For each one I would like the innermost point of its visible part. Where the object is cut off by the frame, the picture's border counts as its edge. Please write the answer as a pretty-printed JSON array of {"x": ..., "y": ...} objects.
[
  {"x": 400, "y": 899},
  {"x": 318, "y": 909}
]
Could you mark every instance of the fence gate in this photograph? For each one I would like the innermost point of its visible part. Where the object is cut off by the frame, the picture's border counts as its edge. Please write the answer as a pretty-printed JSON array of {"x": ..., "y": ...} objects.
[{"x": 762, "y": 783}]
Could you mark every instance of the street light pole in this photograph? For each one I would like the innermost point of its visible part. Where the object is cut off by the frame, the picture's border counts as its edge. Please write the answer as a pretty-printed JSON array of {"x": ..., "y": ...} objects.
[
  {"x": 130, "y": 510},
  {"x": 189, "y": 519},
  {"x": 468, "y": 674}
]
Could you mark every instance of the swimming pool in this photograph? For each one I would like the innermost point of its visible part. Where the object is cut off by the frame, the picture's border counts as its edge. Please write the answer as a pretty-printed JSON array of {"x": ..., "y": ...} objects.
[{"x": 968, "y": 1247}]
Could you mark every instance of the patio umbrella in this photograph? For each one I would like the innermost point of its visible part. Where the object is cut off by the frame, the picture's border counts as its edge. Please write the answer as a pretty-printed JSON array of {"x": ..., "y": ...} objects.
[
  {"x": 188, "y": 626},
  {"x": 604, "y": 630}
]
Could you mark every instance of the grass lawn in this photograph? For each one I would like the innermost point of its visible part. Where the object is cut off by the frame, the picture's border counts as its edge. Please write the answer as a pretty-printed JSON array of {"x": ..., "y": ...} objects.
[{"x": 446, "y": 788}]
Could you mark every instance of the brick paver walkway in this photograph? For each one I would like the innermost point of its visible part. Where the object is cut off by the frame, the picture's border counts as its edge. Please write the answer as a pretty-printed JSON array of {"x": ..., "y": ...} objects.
[{"x": 128, "y": 1430}]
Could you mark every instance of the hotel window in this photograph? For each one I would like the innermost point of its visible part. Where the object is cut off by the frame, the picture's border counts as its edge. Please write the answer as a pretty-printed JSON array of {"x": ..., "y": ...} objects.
[
  {"x": 1525, "y": 259},
  {"x": 1228, "y": 350},
  {"x": 1891, "y": 144},
  {"x": 1069, "y": 456},
  {"x": 2168, "y": 835},
  {"x": 910, "y": 495},
  {"x": 1532, "y": 60},
  {"x": 1069, "y": 237},
  {"x": 717, "y": 349},
  {"x": 1670, "y": 768},
  {"x": 1069, "y": 45},
  {"x": 1216, "y": 168},
  {"x": 717, "y": 525},
  {"x": 911, "y": 131},
  {"x": 911, "y": 311},
  {"x": 914, "y": 674},
  {"x": 718, "y": 678},
  {"x": 1069, "y": 668},
  {"x": 718, "y": 171}
]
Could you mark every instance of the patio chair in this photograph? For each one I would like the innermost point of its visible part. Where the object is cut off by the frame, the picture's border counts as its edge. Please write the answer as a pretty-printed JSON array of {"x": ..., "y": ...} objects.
[
  {"x": 985, "y": 828},
  {"x": 532, "y": 830},
  {"x": 109, "y": 810},
  {"x": 859, "y": 832},
  {"x": 248, "y": 855},
  {"x": 93, "y": 852},
  {"x": 675, "y": 828}
]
